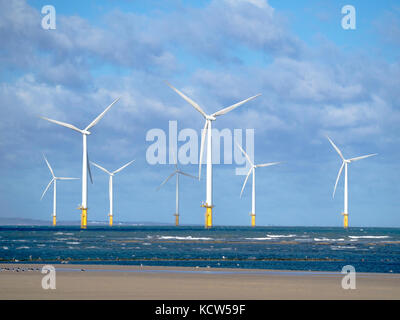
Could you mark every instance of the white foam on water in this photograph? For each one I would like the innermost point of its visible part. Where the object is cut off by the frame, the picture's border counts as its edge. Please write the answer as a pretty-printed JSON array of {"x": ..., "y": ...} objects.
[
  {"x": 5, "y": 248},
  {"x": 272, "y": 237},
  {"x": 281, "y": 235},
  {"x": 23, "y": 247},
  {"x": 369, "y": 237},
  {"x": 328, "y": 239},
  {"x": 342, "y": 247},
  {"x": 73, "y": 242},
  {"x": 65, "y": 239},
  {"x": 184, "y": 238}
]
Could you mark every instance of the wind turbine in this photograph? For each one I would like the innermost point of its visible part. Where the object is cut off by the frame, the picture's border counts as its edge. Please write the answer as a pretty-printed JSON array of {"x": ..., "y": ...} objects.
[
  {"x": 54, "y": 180},
  {"x": 85, "y": 161},
  {"x": 177, "y": 172},
  {"x": 345, "y": 162},
  {"x": 207, "y": 131},
  {"x": 253, "y": 194},
  {"x": 110, "y": 185}
]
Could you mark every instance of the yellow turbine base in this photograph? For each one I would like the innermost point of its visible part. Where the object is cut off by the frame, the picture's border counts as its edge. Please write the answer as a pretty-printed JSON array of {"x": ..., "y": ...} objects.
[
  {"x": 209, "y": 217},
  {"x": 84, "y": 218},
  {"x": 208, "y": 220},
  {"x": 111, "y": 219},
  {"x": 253, "y": 219},
  {"x": 345, "y": 220},
  {"x": 176, "y": 219},
  {"x": 54, "y": 221}
]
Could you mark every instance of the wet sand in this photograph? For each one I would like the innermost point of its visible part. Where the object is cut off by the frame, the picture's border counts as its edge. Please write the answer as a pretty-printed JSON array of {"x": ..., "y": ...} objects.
[{"x": 23, "y": 281}]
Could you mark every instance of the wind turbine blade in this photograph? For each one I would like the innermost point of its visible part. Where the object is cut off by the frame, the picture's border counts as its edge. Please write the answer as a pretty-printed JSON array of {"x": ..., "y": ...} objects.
[
  {"x": 336, "y": 148},
  {"x": 101, "y": 115},
  {"x": 64, "y": 124},
  {"x": 203, "y": 136},
  {"x": 337, "y": 179},
  {"x": 363, "y": 157},
  {"x": 165, "y": 181},
  {"x": 175, "y": 159},
  {"x": 64, "y": 178},
  {"x": 186, "y": 174},
  {"x": 194, "y": 104},
  {"x": 234, "y": 106},
  {"x": 45, "y": 190},
  {"x": 123, "y": 167},
  {"x": 245, "y": 181},
  {"x": 246, "y": 155},
  {"x": 48, "y": 164},
  {"x": 100, "y": 167},
  {"x": 267, "y": 164},
  {"x": 88, "y": 168}
]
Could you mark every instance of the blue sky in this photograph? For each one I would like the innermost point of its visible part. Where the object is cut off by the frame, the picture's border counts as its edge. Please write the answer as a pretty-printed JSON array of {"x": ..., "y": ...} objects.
[{"x": 316, "y": 79}]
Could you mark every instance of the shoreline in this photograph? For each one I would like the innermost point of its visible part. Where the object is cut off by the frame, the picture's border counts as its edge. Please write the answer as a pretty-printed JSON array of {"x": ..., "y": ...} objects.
[
  {"x": 82, "y": 281},
  {"x": 104, "y": 267}
]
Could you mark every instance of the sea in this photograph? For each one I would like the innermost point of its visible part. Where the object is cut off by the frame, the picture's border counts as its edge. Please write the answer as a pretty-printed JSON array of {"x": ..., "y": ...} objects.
[{"x": 273, "y": 248}]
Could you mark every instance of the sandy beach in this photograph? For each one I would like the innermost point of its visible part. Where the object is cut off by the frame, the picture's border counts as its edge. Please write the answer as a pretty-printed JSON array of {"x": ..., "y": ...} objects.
[{"x": 19, "y": 281}]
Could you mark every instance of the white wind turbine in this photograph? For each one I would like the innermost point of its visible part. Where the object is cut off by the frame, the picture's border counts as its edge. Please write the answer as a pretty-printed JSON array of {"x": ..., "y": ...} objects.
[
  {"x": 253, "y": 194},
  {"x": 177, "y": 172},
  {"x": 54, "y": 181},
  {"x": 85, "y": 161},
  {"x": 207, "y": 130},
  {"x": 345, "y": 162},
  {"x": 110, "y": 185}
]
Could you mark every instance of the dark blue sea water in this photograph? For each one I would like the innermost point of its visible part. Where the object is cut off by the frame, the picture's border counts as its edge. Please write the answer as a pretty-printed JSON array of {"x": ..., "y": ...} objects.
[{"x": 288, "y": 248}]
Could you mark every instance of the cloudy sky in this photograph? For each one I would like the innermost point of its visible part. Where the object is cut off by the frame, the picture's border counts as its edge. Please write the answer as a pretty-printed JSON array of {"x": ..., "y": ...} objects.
[{"x": 316, "y": 79}]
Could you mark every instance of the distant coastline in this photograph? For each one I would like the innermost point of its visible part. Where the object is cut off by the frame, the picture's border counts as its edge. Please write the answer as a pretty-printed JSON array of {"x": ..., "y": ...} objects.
[{"x": 37, "y": 222}]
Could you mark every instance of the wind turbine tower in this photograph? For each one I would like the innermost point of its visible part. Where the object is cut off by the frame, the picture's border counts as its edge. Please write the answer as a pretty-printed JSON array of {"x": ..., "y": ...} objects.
[
  {"x": 110, "y": 185},
  {"x": 345, "y": 163},
  {"x": 177, "y": 172},
  {"x": 253, "y": 172},
  {"x": 54, "y": 181}
]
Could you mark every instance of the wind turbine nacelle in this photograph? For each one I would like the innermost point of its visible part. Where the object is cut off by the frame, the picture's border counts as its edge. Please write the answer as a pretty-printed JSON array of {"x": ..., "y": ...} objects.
[
  {"x": 212, "y": 118},
  {"x": 86, "y": 132}
]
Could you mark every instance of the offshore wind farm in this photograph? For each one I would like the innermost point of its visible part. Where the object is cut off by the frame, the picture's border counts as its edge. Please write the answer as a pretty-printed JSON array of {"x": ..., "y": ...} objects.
[
  {"x": 206, "y": 132},
  {"x": 85, "y": 158},
  {"x": 289, "y": 93}
]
